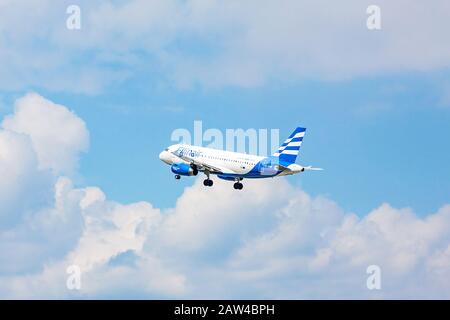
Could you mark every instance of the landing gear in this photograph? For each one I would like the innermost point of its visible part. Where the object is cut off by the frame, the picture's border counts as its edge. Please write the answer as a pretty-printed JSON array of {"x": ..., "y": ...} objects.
[
  {"x": 177, "y": 176},
  {"x": 238, "y": 186},
  {"x": 207, "y": 183}
]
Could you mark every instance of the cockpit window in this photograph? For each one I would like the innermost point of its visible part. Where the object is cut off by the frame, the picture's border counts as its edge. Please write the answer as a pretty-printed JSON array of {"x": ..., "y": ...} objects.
[{"x": 166, "y": 149}]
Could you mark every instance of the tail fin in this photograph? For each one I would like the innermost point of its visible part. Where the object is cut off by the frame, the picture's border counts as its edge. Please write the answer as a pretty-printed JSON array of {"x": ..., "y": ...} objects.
[{"x": 288, "y": 151}]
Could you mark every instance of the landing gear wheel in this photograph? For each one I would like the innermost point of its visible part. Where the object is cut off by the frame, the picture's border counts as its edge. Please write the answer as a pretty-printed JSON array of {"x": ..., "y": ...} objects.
[
  {"x": 177, "y": 176},
  {"x": 238, "y": 186},
  {"x": 207, "y": 183}
]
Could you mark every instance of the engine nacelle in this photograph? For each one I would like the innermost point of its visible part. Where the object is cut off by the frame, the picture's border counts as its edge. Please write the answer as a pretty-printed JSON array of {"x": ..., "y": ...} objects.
[{"x": 182, "y": 169}]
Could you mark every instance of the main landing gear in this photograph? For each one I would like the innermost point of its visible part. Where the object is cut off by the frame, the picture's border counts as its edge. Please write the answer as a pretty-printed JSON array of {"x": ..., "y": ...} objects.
[
  {"x": 207, "y": 182},
  {"x": 238, "y": 185},
  {"x": 177, "y": 176}
]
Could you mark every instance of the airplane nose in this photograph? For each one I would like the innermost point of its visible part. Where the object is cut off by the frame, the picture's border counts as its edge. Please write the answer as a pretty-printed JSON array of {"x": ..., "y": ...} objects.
[{"x": 165, "y": 157}]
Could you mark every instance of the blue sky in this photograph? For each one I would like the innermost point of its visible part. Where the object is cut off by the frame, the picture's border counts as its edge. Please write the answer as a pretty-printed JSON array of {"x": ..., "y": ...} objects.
[{"x": 376, "y": 105}]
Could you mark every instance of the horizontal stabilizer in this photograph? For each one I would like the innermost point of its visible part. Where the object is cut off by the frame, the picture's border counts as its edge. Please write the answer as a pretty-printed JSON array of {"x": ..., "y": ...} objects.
[{"x": 312, "y": 168}]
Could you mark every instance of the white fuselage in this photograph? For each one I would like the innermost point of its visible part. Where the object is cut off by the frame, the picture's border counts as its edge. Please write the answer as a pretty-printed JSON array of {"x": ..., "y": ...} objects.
[{"x": 240, "y": 163}]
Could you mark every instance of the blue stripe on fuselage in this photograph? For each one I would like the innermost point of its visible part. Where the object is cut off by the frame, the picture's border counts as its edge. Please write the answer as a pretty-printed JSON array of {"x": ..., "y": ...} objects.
[{"x": 263, "y": 169}]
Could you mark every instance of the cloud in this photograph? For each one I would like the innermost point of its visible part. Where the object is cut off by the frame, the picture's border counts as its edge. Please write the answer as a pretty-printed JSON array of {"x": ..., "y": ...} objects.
[
  {"x": 106, "y": 232},
  {"x": 38, "y": 143},
  {"x": 57, "y": 134},
  {"x": 402, "y": 244},
  {"x": 310, "y": 249},
  {"x": 270, "y": 240},
  {"x": 22, "y": 185},
  {"x": 216, "y": 43},
  {"x": 46, "y": 232}
]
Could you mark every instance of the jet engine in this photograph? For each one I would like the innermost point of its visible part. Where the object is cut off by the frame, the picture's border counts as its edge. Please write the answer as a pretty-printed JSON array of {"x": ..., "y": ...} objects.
[{"x": 182, "y": 169}]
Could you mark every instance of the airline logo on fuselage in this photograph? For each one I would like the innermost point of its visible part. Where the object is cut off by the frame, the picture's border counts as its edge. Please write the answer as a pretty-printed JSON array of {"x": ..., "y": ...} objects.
[{"x": 183, "y": 151}]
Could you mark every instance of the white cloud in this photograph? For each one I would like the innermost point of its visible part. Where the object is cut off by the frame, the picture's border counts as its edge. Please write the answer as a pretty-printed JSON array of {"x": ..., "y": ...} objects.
[
  {"x": 107, "y": 232},
  {"x": 410, "y": 251},
  {"x": 270, "y": 240},
  {"x": 37, "y": 143},
  {"x": 22, "y": 185},
  {"x": 309, "y": 249},
  {"x": 216, "y": 43},
  {"x": 203, "y": 220},
  {"x": 57, "y": 134}
]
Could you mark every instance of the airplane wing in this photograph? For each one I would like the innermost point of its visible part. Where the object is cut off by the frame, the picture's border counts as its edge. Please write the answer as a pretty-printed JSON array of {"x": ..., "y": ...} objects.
[{"x": 204, "y": 166}]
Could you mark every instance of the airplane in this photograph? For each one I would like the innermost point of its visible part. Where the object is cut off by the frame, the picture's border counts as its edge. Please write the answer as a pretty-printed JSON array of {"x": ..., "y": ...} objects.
[{"x": 188, "y": 160}]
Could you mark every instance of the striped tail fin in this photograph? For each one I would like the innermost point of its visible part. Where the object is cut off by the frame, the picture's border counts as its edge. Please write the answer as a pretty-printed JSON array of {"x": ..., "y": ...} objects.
[{"x": 288, "y": 151}]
